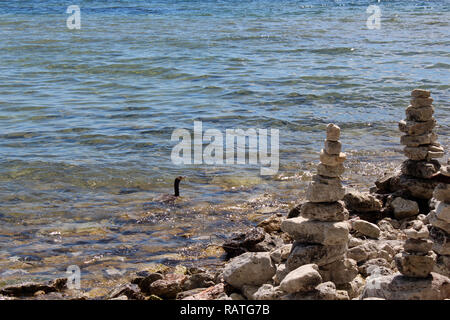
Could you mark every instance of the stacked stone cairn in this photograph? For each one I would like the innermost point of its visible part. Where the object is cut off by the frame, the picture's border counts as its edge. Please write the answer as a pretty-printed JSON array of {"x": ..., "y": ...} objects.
[
  {"x": 321, "y": 233},
  {"x": 419, "y": 139},
  {"x": 417, "y": 260},
  {"x": 440, "y": 221}
]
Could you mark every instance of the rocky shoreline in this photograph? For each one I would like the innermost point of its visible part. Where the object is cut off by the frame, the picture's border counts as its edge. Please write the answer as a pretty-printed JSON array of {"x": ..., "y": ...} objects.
[{"x": 391, "y": 243}]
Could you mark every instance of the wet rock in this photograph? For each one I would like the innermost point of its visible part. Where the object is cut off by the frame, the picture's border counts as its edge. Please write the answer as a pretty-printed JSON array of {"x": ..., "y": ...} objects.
[
  {"x": 362, "y": 202},
  {"x": 212, "y": 293},
  {"x": 304, "y": 253},
  {"x": 249, "y": 268},
  {"x": 131, "y": 291},
  {"x": 295, "y": 212},
  {"x": 26, "y": 289},
  {"x": 169, "y": 287},
  {"x": 366, "y": 228},
  {"x": 272, "y": 224},
  {"x": 243, "y": 242},
  {"x": 145, "y": 279},
  {"x": 302, "y": 279},
  {"x": 399, "y": 287},
  {"x": 199, "y": 280},
  {"x": 404, "y": 208}
]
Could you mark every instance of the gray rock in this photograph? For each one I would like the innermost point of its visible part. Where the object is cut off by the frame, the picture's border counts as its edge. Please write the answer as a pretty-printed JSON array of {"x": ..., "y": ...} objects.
[
  {"x": 249, "y": 268},
  {"x": 404, "y": 208},
  {"x": 304, "y": 253},
  {"x": 302, "y": 279}
]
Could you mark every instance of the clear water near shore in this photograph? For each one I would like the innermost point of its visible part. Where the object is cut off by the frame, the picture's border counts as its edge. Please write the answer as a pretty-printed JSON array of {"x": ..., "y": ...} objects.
[{"x": 86, "y": 117}]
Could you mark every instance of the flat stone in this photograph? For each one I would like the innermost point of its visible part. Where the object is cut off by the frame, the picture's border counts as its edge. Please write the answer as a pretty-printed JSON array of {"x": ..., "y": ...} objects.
[
  {"x": 304, "y": 253},
  {"x": 424, "y": 152},
  {"x": 302, "y": 279},
  {"x": 415, "y": 128},
  {"x": 443, "y": 211},
  {"x": 328, "y": 211},
  {"x": 310, "y": 231},
  {"x": 420, "y": 93},
  {"x": 424, "y": 113},
  {"x": 330, "y": 171},
  {"x": 420, "y": 102},
  {"x": 251, "y": 268},
  {"x": 442, "y": 192},
  {"x": 324, "y": 189},
  {"x": 437, "y": 222},
  {"x": 340, "y": 272},
  {"x": 366, "y": 228},
  {"x": 417, "y": 266},
  {"x": 333, "y": 147},
  {"x": 404, "y": 208},
  {"x": 420, "y": 169},
  {"x": 333, "y": 132},
  {"x": 356, "y": 201},
  {"x": 399, "y": 287},
  {"x": 415, "y": 141},
  {"x": 332, "y": 159},
  {"x": 418, "y": 245}
]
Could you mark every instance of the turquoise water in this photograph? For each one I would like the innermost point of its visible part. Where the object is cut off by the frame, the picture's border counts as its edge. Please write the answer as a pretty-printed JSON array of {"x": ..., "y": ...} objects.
[{"x": 86, "y": 116}]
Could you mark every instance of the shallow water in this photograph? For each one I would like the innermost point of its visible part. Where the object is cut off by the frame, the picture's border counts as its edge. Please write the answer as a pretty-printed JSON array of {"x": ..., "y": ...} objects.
[{"x": 86, "y": 117}]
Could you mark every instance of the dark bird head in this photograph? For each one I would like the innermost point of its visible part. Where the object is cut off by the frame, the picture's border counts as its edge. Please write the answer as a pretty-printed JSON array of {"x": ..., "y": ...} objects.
[{"x": 176, "y": 185}]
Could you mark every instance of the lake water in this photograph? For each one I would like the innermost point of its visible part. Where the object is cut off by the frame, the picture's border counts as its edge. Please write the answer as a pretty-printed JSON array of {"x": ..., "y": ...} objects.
[{"x": 86, "y": 117}]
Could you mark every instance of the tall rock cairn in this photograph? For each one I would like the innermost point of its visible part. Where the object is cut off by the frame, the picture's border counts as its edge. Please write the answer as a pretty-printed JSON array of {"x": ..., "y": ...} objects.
[
  {"x": 321, "y": 233},
  {"x": 440, "y": 220},
  {"x": 419, "y": 139}
]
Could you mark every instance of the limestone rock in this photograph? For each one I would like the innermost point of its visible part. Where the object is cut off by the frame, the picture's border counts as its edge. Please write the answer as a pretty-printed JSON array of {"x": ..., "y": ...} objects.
[
  {"x": 423, "y": 152},
  {"x": 333, "y": 132},
  {"x": 398, "y": 287},
  {"x": 437, "y": 222},
  {"x": 404, "y": 208},
  {"x": 302, "y": 279},
  {"x": 418, "y": 140},
  {"x": 281, "y": 254},
  {"x": 330, "y": 171},
  {"x": 415, "y": 128},
  {"x": 272, "y": 223},
  {"x": 131, "y": 291},
  {"x": 413, "y": 265},
  {"x": 211, "y": 293},
  {"x": 333, "y": 147},
  {"x": 356, "y": 201},
  {"x": 249, "y": 268},
  {"x": 420, "y": 93},
  {"x": 168, "y": 287},
  {"x": 366, "y": 228},
  {"x": 332, "y": 159},
  {"x": 311, "y": 231},
  {"x": 417, "y": 188},
  {"x": 340, "y": 271},
  {"x": 418, "y": 245},
  {"x": 280, "y": 274},
  {"x": 304, "y": 253},
  {"x": 445, "y": 171},
  {"x": 268, "y": 292},
  {"x": 332, "y": 211},
  {"x": 420, "y": 102},
  {"x": 424, "y": 113},
  {"x": 323, "y": 189},
  {"x": 420, "y": 169}
]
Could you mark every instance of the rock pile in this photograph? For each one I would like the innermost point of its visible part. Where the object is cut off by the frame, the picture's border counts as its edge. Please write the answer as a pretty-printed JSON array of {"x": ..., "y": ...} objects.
[
  {"x": 440, "y": 221},
  {"x": 321, "y": 233},
  {"x": 417, "y": 260}
]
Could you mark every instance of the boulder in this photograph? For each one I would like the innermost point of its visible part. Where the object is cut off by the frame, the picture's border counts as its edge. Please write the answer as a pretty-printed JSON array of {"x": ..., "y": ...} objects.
[
  {"x": 249, "y": 268},
  {"x": 311, "y": 231},
  {"x": 302, "y": 279},
  {"x": 169, "y": 287}
]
